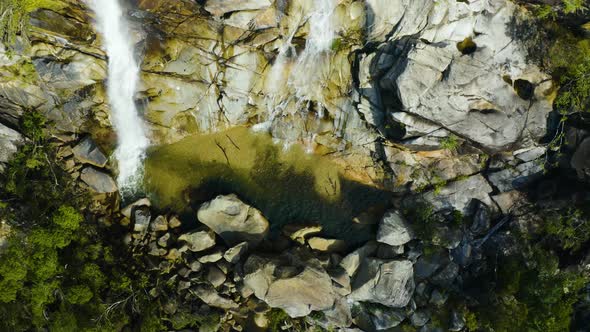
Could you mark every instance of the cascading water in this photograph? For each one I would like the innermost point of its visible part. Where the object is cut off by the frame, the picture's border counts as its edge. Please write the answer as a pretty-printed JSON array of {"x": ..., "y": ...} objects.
[
  {"x": 123, "y": 78},
  {"x": 312, "y": 66}
]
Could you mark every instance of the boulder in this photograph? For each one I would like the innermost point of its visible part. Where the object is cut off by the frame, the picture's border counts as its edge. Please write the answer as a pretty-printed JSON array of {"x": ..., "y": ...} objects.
[
  {"x": 215, "y": 276},
  {"x": 10, "y": 140},
  {"x": 390, "y": 283},
  {"x": 299, "y": 233},
  {"x": 210, "y": 296},
  {"x": 352, "y": 261},
  {"x": 234, "y": 254},
  {"x": 198, "y": 241},
  {"x": 394, "y": 230},
  {"x": 98, "y": 181},
  {"x": 141, "y": 219},
  {"x": 327, "y": 245},
  {"x": 295, "y": 282},
  {"x": 126, "y": 211},
  {"x": 87, "y": 152},
  {"x": 234, "y": 220}
]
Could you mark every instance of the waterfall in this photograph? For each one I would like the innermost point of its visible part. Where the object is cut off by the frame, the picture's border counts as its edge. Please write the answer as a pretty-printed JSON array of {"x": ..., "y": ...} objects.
[
  {"x": 312, "y": 68},
  {"x": 123, "y": 78}
]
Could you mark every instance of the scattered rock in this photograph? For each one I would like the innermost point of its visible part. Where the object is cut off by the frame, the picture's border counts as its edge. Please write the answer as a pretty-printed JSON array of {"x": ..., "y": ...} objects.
[
  {"x": 299, "y": 233},
  {"x": 198, "y": 241},
  {"x": 390, "y": 283},
  {"x": 352, "y": 261},
  {"x": 210, "y": 296},
  {"x": 327, "y": 245},
  {"x": 234, "y": 254},
  {"x": 295, "y": 282},
  {"x": 141, "y": 219},
  {"x": 174, "y": 222},
  {"x": 233, "y": 220},
  {"x": 394, "y": 230},
  {"x": 126, "y": 211},
  {"x": 159, "y": 224},
  {"x": 213, "y": 257},
  {"x": 215, "y": 276}
]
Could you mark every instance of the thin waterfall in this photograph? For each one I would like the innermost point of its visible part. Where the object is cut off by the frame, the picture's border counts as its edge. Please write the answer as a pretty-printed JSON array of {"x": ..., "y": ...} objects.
[
  {"x": 123, "y": 78},
  {"x": 313, "y": 65}
]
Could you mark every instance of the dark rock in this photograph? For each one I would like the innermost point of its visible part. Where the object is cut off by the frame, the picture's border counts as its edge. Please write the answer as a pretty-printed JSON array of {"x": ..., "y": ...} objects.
[{"x": 88, "y": 152}]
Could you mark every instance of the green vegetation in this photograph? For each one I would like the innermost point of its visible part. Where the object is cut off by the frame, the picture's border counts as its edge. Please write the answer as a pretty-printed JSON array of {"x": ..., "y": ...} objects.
[
  {"x": 450, "y": 143},
  {"x": 571, "y": 228},
  {"x": 61, "y": 269},
  {"x": 14, "y": 17}
]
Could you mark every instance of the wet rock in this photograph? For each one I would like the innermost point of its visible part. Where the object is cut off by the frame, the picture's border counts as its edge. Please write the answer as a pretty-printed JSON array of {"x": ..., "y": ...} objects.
[
  {"x": 89, "y": 153},
  {"x": 295, "y": 282},
  {"x": 233, "y": 220},
  {"x": 327, "y": 245},
  {"x": 126, "y": 211},
  {"x": 198, "y": 241},
  {"x": 390, "y": 283},
  {"x": 10, "y": 140},
  {"x": 234, "y": 254},
  {"x": 394, "y": 230},
  {"x": 299, "y": 233},
  {"x": 141, "y": 219},
  {"x": 352, "y": 261},
  {"x": 98, "y": 181}
]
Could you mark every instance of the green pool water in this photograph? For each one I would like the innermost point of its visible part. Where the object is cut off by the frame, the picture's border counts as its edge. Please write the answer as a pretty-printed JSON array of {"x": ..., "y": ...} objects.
[{"x": 287, "y": 185}]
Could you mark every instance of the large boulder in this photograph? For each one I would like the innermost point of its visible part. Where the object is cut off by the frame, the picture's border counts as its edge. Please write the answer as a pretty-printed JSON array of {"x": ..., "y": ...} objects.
[
  {"x": 88, "y": 152},
  {"x": 234, "y": 220},
  {"x": 390, "y": 283},
  {"x": 98, "y": 181},
  {"x": 295, "y": 282},
  {"x": 394, "y": 229}
]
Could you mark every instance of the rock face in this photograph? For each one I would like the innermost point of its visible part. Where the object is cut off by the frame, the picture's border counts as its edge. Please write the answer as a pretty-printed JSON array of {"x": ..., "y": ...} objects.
[
  {"x": 394, "y": 230},
  {"x": 390, "y": 283},
  {"x": 233, "y": 220},
  {"x": 10, "y": 140},
  {"x": 295, "y": 282}
]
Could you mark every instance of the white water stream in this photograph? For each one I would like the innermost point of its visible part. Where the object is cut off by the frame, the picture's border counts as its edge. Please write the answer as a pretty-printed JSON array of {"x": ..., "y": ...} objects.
[{"x": 123, "y": 78}]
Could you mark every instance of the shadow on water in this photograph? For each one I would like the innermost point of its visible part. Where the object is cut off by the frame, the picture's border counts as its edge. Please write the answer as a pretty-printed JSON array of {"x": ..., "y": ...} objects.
[{"x": 288, "y": 186}]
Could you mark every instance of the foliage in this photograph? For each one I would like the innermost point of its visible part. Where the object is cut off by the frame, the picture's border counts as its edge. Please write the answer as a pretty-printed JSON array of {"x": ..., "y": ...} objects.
[
  {"x": 570, "y": 228},
  {"x": 450, "y": 143}
]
